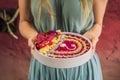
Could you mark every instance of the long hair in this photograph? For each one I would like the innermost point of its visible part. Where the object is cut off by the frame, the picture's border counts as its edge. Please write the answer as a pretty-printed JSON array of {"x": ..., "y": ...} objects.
[{"x": 85, "y": 9}]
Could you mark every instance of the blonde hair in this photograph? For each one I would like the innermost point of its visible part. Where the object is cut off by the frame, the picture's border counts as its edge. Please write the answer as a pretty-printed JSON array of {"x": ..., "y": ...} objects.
[{"x": 84, "y": 9}]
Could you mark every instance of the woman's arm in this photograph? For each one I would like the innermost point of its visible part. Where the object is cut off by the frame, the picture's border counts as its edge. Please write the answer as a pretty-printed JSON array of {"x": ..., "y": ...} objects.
[
  {"x": 93, "y": 34},
  {"x": 25, "y": 27},
  {"x": 99, "y": 7}
]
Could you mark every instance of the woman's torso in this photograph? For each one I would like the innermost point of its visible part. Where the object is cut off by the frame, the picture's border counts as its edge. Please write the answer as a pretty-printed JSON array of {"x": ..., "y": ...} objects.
[{"x": 66, "y": 16}]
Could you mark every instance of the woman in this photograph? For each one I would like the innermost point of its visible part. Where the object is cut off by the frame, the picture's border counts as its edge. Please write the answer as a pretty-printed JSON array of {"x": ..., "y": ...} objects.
[{"x": 79, "y": 16}]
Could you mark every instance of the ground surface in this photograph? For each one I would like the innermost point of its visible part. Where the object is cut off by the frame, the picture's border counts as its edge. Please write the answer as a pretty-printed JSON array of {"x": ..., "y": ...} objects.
[{"x": 15, "y": 56}]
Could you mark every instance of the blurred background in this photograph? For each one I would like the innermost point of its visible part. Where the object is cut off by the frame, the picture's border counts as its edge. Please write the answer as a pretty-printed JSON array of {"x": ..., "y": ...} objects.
[{"x": 15, "y": 54}]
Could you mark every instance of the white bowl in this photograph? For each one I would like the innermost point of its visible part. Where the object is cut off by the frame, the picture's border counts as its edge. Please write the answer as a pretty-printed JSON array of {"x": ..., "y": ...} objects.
[{"x": 64, "y": 62}]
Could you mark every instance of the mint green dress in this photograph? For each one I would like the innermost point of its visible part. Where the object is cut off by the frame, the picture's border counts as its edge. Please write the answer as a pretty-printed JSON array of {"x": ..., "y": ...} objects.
[{"x": 67, "y": 18}]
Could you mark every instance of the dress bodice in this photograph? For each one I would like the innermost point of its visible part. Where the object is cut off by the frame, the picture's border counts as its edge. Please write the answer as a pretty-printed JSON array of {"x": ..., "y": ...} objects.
[{"x": 66, "y": 16}]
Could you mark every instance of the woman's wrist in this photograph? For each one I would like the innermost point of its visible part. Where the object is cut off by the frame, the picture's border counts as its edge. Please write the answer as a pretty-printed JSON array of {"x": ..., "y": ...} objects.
[
  {"x": 33, "y": 35},
  {"x": 98, "y": 24},
  {"x": 96, "y": 29}
]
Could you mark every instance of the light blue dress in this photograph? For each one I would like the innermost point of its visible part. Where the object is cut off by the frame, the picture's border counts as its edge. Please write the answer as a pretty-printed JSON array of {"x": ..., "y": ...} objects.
[{"x": 67, "y": 18}]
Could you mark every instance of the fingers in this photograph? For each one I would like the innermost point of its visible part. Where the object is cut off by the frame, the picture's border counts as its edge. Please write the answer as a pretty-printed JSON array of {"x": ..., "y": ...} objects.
[
  {"x": 32, "y": 51},
  {"x": 92, "y": 36},
  {"x": 31, "y": 45},
  {"x": 86, "y": 35},
  {"x": 93, "y": 50},
  {"x": 94, "y": 42}
]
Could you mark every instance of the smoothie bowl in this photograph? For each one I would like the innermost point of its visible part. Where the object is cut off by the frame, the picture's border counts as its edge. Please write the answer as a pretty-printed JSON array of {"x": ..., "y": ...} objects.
[{"x": 62, "y": 49}]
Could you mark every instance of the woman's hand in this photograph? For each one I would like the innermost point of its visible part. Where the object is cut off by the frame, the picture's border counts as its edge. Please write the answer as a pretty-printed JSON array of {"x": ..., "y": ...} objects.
[
  {"x": 31, "y": 43},
  {"x": 93, "y": 35}
]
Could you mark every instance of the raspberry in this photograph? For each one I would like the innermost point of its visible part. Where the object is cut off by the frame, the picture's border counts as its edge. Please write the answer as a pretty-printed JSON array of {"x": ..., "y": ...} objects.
[{"x": 43, "y": 39}]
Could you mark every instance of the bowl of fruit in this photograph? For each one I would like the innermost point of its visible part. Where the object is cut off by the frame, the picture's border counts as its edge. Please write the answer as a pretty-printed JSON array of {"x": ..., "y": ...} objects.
[{"x": 62, "y": 49}]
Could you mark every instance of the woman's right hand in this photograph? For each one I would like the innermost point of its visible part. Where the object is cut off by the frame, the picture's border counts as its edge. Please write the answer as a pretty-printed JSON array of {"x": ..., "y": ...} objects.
[{"x": 31, "y": 43}]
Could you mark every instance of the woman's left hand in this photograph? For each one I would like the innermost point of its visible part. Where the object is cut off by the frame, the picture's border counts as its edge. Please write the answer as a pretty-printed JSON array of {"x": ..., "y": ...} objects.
[{"x": 93, "y": 36}]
